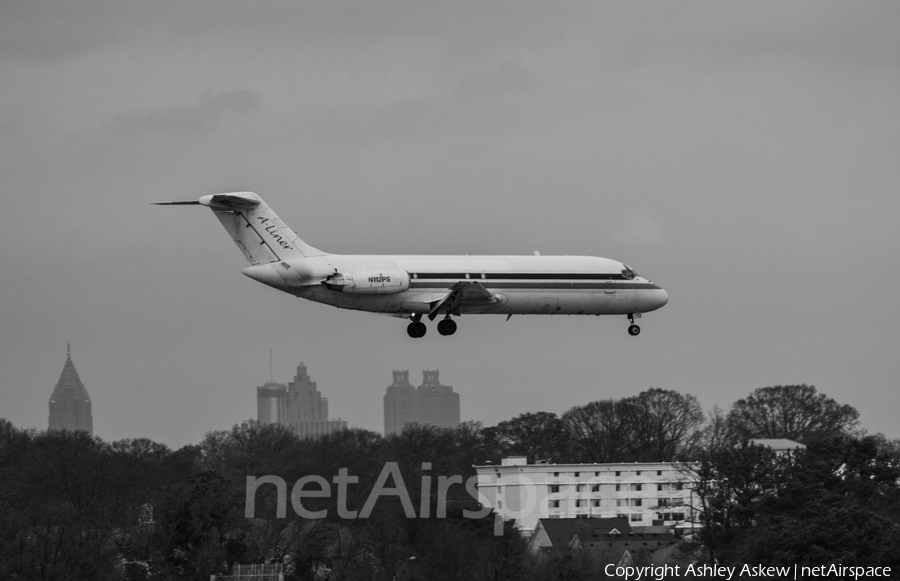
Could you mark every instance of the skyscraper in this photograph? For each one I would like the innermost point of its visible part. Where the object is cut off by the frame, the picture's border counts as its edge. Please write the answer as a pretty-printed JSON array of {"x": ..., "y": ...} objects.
[
  {"x": 438, "y": 404},
  {"x": 70, "y": 404},
  {"x": 431, "y": 403},
  {"x": 400, "y": 404},
  {"x": 298, "y": 405}
]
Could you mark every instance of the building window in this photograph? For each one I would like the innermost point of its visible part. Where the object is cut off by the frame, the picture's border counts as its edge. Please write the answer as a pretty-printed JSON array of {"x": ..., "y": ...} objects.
[
  {"x": 659, "y": 472},
  {"x": 621, "y": 501},
  {"x": 659, "y": 487},
  {"x": 636, "y": 502},
  {"x": 579, "y": 503},
  {"x": 596, "y": 474},
  {"x": 595, "y": 488},
  {"x": 618, "y": 473},
  {"x": 638, "y": 472},
  {"x": 595, "y": 503},
  {"x": 637, "y": 517},
  {"x": 499, "y": 504},
  {"x": 554, "y": 488},
  {"x": 554, "y": 504},
  {"x": 618, "y": 487},
  {"x": 577, "y": 474},
  {"x": 579, "y": 488},
  {"x": 556, "y": 474}
]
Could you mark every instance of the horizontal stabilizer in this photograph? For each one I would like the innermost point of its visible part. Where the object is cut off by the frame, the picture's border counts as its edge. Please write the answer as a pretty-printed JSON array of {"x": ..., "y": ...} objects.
[{"x": 258, "y": 232}]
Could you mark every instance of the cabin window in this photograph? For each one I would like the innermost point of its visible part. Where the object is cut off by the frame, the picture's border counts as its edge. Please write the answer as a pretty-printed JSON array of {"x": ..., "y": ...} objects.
[{"x": 628, "y": 273}]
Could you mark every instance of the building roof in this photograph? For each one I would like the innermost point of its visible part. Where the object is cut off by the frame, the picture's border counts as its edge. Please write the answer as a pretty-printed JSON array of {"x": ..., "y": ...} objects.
[
  {"x": 69, "y": 385},
  {"x": 778, "y": 444},
  {"x": 561, "y": 531}
]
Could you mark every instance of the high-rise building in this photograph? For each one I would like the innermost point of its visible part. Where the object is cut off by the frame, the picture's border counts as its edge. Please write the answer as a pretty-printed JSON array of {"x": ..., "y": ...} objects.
[
  {"x": 438, "y": 404},
  {"x": 298, "y": 405},
  {"x": 431, "y": 403},
  {"x": 70, "y": 404},
  {"x": 270, "y": 401},
  {"x": 400, "y": 404}
]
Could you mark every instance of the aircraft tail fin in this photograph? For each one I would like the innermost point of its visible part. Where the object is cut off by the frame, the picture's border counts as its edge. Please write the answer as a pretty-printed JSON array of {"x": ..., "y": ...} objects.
[{"x": 258, "y": 231}]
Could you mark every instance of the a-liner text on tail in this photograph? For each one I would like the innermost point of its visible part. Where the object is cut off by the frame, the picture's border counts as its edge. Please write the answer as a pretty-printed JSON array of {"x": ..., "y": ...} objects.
[{"x": 416, "y": 287}]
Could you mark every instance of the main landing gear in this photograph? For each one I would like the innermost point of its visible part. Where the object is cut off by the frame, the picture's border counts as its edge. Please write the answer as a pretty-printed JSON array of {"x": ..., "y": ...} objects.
[
  {"x": 633, "y": 329},
  {"x": 447, "y": 326},
  {"x": 417, "y": 328}
]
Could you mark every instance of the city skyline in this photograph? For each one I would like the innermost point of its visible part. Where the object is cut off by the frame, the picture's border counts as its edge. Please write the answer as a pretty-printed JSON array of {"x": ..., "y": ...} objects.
[{"x": 739, "y": 156}]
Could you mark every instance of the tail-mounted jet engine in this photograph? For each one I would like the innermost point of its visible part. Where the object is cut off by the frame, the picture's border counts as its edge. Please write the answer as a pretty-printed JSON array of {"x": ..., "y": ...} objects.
[{"x": 369, "y": 282}]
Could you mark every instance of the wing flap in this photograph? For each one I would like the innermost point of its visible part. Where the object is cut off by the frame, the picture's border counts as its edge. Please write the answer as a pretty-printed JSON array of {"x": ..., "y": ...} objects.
[{"x": 464, "y": 291}]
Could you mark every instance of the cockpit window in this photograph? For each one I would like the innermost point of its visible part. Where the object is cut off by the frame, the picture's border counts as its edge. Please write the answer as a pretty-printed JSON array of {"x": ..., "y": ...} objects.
[{"x": 628, "y": 273}]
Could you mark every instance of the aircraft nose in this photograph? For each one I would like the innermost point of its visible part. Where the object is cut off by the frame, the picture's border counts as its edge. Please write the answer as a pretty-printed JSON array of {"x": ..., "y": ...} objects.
[{"x": 662, "y": 298}]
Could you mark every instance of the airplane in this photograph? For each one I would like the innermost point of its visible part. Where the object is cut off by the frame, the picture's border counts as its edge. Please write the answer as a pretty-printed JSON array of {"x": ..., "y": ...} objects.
[{"x": 417, "y": 287}]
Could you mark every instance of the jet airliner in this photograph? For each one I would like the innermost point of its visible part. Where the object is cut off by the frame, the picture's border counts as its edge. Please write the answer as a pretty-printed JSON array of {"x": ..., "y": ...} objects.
[{"x": 417, "y": 287}]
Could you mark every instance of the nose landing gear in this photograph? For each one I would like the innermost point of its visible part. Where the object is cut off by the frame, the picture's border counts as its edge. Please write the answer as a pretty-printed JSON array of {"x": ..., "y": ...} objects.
[{"x": 633, "y": 329}]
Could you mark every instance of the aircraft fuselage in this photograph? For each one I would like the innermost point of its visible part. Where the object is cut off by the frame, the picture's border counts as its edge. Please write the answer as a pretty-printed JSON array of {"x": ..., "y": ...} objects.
[{"x": 522, "y": 285}]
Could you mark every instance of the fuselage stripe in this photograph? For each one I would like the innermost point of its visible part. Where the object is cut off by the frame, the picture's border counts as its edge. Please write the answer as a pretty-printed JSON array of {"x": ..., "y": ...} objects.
[
  {"x": 420, "y": 284},
  {"x": 476, "y": 275}
]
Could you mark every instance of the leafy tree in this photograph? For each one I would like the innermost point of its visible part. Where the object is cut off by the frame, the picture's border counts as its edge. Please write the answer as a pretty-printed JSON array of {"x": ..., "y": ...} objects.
[
  {"x": 835, "y": 501},
  {"x": 796, "y": 412},
  {"x": 729, "y": 485}
]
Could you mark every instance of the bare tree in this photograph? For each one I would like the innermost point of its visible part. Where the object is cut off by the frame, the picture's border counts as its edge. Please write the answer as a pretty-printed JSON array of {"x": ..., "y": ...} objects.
[
  {"x": 717, "y": 434},
  {"x": 791, "y": 411},
  {"x": 665, "y": 423},
  {"x": 539, "y": 436},
  {"x": 600, "y": 431}
]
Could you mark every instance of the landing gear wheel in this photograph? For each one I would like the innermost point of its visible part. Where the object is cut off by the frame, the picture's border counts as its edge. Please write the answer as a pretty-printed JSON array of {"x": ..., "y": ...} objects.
[
  {"x": 634, "y": 330},
  {"x": 447, "y": 327},
  {"x": 416, "y": 329}
]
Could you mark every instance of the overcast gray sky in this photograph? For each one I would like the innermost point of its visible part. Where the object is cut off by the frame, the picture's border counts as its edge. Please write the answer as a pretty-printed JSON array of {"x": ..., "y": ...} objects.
[{"x": 743, "y": 156}]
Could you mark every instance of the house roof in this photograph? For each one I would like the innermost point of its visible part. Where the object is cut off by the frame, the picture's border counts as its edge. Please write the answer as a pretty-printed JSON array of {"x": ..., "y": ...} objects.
[{"x": 561, "y": 531}]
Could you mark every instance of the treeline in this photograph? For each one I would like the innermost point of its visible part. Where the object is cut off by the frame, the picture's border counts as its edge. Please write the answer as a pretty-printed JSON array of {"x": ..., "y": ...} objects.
[
  {"x": 835, "y": 502},
  {"x": 73, "y": 507},
  {"x": 76, "y": 507},
  {"x": 661, "y": 425}
]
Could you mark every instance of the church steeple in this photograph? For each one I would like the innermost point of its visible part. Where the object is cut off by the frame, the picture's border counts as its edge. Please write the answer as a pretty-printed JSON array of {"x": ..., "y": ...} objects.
[{"x": 70, "y": 404}]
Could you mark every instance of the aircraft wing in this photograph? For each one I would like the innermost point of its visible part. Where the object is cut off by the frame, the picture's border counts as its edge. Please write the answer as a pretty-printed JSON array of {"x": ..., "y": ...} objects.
[{"x": 464, "y": 291}]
